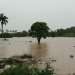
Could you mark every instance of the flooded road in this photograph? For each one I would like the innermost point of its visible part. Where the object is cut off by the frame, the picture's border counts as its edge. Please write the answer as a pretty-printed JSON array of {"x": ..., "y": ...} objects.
[{"x": 60, "y": 49}]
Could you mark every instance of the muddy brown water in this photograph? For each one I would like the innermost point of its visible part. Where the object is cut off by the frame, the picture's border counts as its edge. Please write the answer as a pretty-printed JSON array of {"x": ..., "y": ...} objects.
[{"x": 61, "y": 49}]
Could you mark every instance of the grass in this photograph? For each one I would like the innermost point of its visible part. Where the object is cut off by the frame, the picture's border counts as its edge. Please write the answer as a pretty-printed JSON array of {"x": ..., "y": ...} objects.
[{"x": 27, "y": 69}]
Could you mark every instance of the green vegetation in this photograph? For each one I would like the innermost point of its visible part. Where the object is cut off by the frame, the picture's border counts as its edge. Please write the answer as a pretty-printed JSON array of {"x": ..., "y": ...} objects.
[
  {"x": 22, "y": 69},
  {"x": 19, "y": 34},
  {"x": 68, "y": 32},
  {"x": 39, "y": 30},
  {"x": 14, "y": 34},
  {"x": 25, "y": 65},
  {"x": 3, "y": 20}
]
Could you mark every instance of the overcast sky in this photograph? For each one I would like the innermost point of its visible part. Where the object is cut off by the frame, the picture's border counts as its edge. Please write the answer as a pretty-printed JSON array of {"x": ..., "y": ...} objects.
[{"x": 23, "y": 13}]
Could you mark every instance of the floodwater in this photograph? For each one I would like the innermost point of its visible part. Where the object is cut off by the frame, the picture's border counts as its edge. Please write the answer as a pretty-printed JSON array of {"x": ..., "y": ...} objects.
[{"x": 61, "y": 49}]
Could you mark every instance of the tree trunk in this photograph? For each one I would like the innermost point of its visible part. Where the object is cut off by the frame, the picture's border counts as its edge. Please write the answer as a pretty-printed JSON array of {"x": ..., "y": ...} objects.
[
  {"x": 2, "y": 31},
  {"x": 39, "y": 40}
]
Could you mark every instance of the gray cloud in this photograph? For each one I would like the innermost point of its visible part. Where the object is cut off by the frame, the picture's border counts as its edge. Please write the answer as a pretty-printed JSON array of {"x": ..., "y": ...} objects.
[{"x": 22, "y": 13}]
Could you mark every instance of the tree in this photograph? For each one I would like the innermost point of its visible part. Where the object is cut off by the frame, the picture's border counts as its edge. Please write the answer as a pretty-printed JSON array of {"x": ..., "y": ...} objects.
[
  {"x": 4, "y": 21},
  {"x": 39, "y": 30}
]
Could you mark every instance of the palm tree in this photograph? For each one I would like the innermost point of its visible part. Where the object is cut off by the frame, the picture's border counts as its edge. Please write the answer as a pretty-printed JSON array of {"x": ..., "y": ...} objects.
[{"x": 4, "y": 21}]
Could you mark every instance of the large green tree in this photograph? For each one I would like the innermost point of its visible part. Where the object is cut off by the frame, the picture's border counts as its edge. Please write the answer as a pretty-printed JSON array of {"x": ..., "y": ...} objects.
[
  {"x": 3, "y": 20},
  {"x": 39, "y": 30}
]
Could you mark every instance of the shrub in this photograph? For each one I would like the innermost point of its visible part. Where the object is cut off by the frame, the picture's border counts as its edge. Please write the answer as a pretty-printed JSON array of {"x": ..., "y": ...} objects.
[{"x": 26, "y": 69}]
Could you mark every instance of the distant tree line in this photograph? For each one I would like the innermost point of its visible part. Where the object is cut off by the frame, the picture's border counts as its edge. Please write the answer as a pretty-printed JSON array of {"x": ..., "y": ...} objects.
[
  {"x": 14, "y": 34},
  {"x": 68, "y": 32}
]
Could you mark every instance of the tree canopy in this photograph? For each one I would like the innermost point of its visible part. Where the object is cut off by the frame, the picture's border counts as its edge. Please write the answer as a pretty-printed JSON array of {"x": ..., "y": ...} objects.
[
  {"x": 39, "y": 30},
  {"x": 3, "y": 20}
]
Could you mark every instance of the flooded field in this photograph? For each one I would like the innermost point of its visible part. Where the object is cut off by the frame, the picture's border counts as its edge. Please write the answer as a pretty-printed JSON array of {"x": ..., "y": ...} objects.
[{"x": 60, "y": 49}]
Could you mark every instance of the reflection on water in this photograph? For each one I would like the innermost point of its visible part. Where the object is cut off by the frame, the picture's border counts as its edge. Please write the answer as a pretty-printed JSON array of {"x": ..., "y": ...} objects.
[
  {"x": 60, "y": 49},
  {"x": 39, "y": 51}
]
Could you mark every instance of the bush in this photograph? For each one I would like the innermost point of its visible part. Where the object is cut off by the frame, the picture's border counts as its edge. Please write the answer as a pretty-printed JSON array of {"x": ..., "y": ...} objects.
[{"x": 26, "y": 69}]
